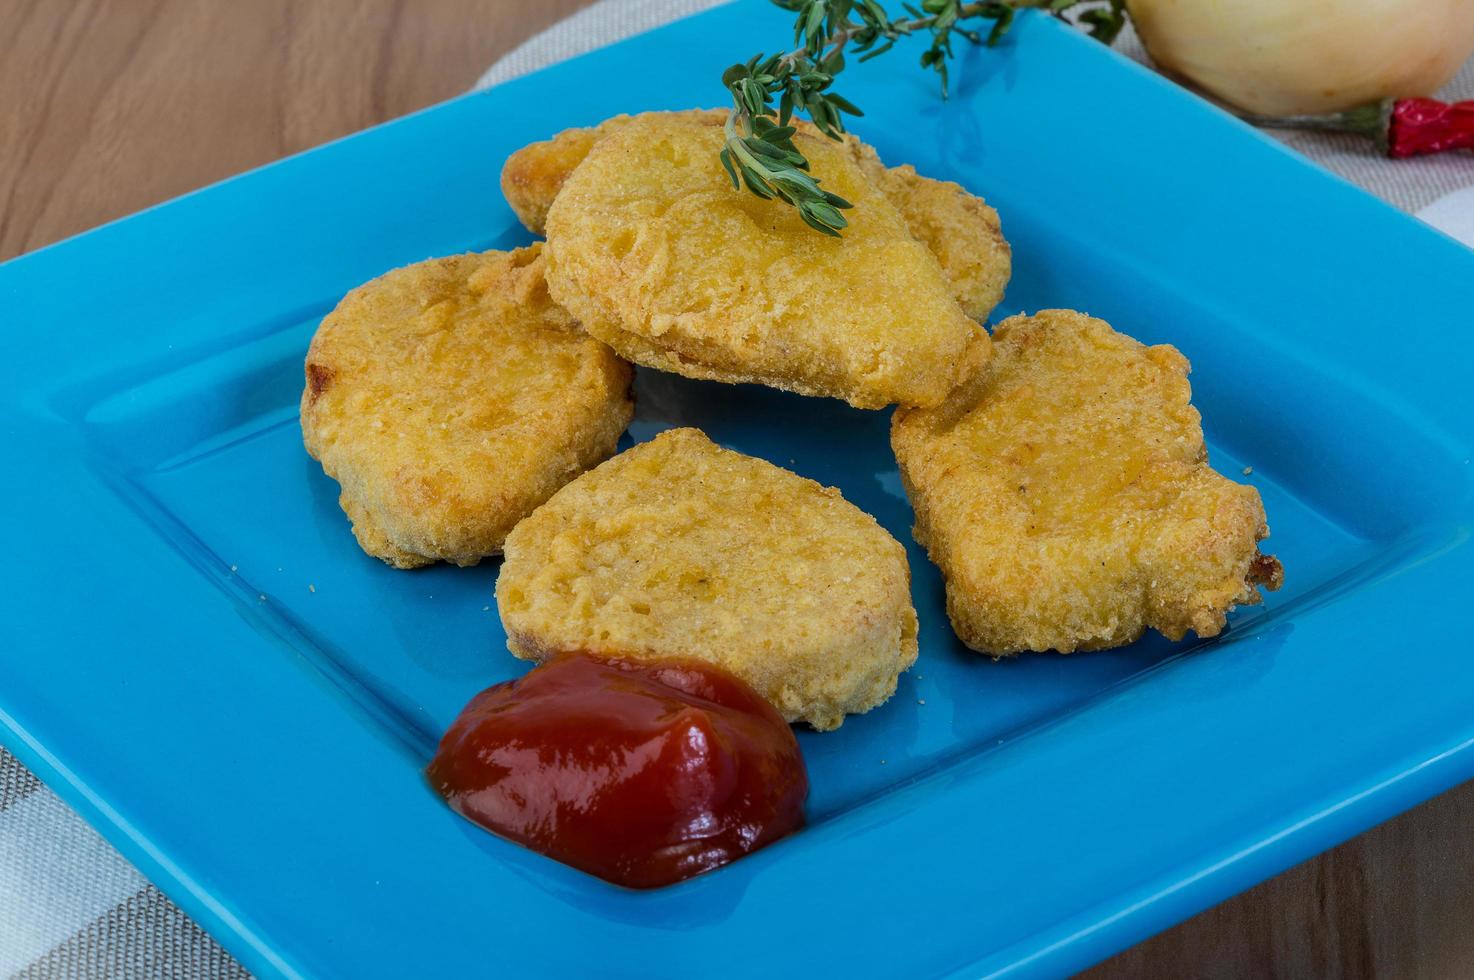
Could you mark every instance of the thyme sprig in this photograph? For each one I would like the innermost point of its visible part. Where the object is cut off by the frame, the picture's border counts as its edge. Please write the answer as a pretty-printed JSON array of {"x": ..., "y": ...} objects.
[{"x": 759, "y": 151}]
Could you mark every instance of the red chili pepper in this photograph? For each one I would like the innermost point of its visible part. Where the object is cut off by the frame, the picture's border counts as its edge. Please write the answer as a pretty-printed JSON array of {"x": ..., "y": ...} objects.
[
  {"x": 1400, "y": 127},
  {"x": 1429, "y": 126}
]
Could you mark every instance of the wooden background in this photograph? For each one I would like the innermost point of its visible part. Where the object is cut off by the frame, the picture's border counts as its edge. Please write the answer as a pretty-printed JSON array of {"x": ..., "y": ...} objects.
[{"x": 108, "y": 106}]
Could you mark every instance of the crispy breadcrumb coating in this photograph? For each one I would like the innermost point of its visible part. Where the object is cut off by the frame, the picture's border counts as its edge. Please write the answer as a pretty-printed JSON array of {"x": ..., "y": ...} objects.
[
  {"x": 1066, "y": 495},
  {"x": 450, "y": 398},
  {"x": 960, "y": 229},
  {"x": 655, "y": 252},
  {"x": 679, "y": 548}
]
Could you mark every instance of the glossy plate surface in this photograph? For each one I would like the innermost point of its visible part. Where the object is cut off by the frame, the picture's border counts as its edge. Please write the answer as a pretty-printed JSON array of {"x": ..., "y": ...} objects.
[{"x": 254, "y": 744}]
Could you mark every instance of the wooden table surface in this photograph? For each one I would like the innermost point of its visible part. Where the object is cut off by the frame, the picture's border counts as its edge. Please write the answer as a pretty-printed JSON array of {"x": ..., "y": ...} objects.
[{"x": 108, "y": 106}]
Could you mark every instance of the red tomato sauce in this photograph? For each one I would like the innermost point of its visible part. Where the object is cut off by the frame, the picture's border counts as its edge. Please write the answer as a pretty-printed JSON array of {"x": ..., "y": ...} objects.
[{"x": 641, "y": 774}]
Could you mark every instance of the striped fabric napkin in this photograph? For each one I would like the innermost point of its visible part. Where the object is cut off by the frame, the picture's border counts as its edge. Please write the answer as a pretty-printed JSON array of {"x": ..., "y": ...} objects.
[{"x": 70, "y": 906}]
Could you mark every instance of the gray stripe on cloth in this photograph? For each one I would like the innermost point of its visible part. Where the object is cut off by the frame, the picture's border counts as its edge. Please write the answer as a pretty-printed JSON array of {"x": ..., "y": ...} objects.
[
  {"x": 16, "y": 781},
  {"x": 146, "y": 937}
]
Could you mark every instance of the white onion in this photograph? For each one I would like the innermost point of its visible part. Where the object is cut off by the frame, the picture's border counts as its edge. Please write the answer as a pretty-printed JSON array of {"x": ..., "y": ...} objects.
[{"x": 1286, "y": 57}]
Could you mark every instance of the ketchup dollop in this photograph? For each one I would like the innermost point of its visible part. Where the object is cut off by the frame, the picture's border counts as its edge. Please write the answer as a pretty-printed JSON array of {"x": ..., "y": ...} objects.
[{"x": 643, "y": 774}]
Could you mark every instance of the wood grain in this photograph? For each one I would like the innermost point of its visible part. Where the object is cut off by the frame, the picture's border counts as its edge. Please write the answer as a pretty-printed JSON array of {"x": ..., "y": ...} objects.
[
  {"x": 108, "y": 106},
  {"x": 1396, "y": 902}
]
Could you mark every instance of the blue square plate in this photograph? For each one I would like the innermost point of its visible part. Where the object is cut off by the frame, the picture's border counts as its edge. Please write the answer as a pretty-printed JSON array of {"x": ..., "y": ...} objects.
[{"x": 200, "y": 659}]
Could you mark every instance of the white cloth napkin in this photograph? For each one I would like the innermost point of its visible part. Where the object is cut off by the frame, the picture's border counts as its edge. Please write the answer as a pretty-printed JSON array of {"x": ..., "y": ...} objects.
[
  {"x": 71, "y": 907},
  {"x": 1453, "y": 214}
]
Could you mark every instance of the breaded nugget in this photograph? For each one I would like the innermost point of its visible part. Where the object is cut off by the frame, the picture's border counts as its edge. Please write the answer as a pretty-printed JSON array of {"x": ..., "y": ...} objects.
[
  {"x": 534, "y": 175},
  {"x": 961, "y": 230},
  {"x": 655, "y": 252},
  {"x": 680, "y": 548},
  {"x": 1066, "y": 495},
  {"x": 452, "y": 397}
]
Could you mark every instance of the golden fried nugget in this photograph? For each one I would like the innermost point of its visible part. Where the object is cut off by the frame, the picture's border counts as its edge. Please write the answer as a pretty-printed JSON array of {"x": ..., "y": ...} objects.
[
  {"x": 678, "y": 548},
  {"x": 450, "y": 398},
  {"x": 655, "y": 252},
  {"x": 1066, "y": 495},
  {"x": 534, "y": 175},
  {"x": 961, "y": 230}
]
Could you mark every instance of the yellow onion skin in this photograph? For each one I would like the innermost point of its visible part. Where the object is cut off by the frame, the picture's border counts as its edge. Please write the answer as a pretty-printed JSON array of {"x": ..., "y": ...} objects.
[{"x": 1291, "y": 57}]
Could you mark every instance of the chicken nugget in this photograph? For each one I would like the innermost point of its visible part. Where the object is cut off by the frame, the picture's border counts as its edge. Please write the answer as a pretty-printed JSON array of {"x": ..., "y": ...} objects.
[
  {"x": 656, "y": 253},
  {"x": 533, "y": 176},
  {"x": 961, "y": 230},
  {"x": 679, "y": 548},
  {"x": 1066, "y": 495},
  {"x": 450, "y": 398}
]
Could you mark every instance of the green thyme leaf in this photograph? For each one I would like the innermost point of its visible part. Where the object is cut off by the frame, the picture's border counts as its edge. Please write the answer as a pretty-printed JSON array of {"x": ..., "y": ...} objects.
[{"x": 726, "y": 158}]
